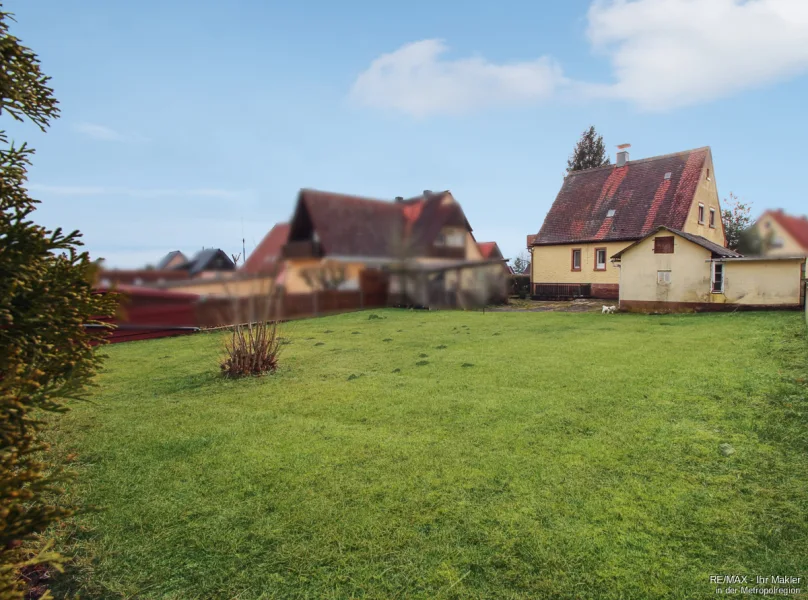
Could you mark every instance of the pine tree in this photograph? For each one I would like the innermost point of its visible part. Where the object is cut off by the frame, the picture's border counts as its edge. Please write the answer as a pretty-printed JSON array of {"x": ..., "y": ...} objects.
[
  {"x": 589, "y": 152},
  {"x": 46, "y": 299}
]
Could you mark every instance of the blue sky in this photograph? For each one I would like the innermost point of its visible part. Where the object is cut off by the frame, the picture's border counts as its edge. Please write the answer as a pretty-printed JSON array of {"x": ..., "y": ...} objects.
[{"x": 185, "y": 123}]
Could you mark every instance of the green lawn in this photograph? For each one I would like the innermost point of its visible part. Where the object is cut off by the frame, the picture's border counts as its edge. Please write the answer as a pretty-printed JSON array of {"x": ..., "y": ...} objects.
[{"x": 448, "y": 455}]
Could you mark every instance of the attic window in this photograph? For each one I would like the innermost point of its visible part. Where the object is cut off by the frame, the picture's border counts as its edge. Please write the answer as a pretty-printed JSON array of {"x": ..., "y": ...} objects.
[
  {"x": 668, "y": 175},
  {"x": 663, "y": 245},
  {"x": 610, "y": 213},
  {"x": 708, "y": 174}
]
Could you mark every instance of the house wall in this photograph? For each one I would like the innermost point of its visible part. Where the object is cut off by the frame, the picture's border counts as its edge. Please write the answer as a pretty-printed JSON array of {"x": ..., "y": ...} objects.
[
  {"x": 707, "y": 194},
  {"x": 294, "y": 282},
  {"x": 553, "y": 264},
  {"x": 763, "y": 283},
  {"x": 226, "y": 287},
  {"x": 690, "y": 272},
  {"x": 768, "y": 226},
  {"x": 774, "y": 283}
]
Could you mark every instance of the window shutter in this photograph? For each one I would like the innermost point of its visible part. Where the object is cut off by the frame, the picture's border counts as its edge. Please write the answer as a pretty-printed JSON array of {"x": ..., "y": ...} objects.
[{"x": 663, "y": 245}]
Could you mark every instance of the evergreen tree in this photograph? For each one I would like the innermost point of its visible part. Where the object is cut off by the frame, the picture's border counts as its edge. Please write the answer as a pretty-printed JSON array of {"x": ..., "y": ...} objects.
[
  {"x": 46, "y": 299},
  {"x": 589, "y": 152}
]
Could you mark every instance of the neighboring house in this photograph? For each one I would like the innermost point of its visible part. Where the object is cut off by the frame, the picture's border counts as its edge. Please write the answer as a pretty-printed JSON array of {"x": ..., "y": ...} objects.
[
  {"x": 429, "y": 231},
  {"x": 601, "y": 211},
  {"x": 207, "y": 263},
  {"x": 670, "y": 270},
  {"x": 171, "y": 260},
  {"x": 266, "y": 259},
  {"x": 491, "y": 251},
  {"x": 138, "y": 277},
  {"x": 782, "y": 234}
]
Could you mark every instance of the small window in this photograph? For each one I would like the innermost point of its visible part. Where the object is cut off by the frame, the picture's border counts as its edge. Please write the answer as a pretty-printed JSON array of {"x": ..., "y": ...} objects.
[
  {"x": 576, "y": 259},
  {"x": 663, "y": 277},
  {"x": 712, "y": 218},
  {"x": 701, "y": 214},
  {"x": 708, "y": 174},
  {"x": 600, "y": 259},
  {"x": 718, "y": 278},
  {"x": 610, "y": 213},
  {"x": 663, "y": 245}
]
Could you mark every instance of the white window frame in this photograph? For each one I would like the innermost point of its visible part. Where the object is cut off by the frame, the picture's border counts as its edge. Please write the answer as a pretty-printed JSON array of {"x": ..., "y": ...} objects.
[
  {"x": 580, "y": 258},
  {"x": 700, "y": 214},
  {"x": 664, "y": 277},
  {"x": 713, "y": 268},
  {"x": 600, "y": 266}
]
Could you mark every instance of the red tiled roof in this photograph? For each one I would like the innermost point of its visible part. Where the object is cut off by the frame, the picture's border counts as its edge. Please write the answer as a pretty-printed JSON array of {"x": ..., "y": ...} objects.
[
  {"x": 268, "y": 251},
  {"x": 356, "y": 226},
  {"x": 638, "y": 192},
  {"x": 797, "y": 227},
  {"x": 487, "y": 249}
]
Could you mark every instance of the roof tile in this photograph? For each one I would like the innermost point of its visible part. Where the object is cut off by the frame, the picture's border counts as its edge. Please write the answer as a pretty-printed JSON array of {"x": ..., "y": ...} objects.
[{"x": 638, "y": 192}]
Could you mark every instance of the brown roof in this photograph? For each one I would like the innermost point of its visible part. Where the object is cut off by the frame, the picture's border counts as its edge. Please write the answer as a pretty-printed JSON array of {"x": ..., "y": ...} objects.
[
  {"x": 639, "y": 193},
  {"x": 797, "y": 227},
  {"x": 716, "y": 250},
  {"x": 356, "y": 226},
  {"x": 268, "y": 251}
]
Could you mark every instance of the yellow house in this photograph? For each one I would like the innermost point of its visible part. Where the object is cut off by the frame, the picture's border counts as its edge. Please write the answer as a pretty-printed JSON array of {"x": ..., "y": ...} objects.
[
  {"x": 599, "y": 212},
  {"x": 782, "y": 234},
  {"x": 672, "y": 271}
]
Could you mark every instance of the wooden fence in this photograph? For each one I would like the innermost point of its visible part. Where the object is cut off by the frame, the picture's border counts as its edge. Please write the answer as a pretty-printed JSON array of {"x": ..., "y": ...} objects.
[
  {"x": 146, "y": 314},
  {"x": 561, "y": 291}
]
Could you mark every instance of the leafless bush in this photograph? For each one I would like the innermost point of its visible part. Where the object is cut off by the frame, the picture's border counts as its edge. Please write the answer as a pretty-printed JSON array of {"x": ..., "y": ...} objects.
[
  {"x": 254, "y": 342},
  {"x": 252, "y": 349}
]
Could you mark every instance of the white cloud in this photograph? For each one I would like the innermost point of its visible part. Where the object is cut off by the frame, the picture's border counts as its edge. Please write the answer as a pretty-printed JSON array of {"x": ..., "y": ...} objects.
[
  {"x": 671, "y": 53},
  {"x": 103, "y": 133},
  {"x": 416, "y": 80},
  {"x": 664, "y": 54},
  {"x": 69, "y": 190}
]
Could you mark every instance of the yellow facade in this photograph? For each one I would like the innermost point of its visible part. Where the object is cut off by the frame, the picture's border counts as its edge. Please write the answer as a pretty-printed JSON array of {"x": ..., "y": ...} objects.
[
  {"x": 783, "y": 243},
  {"x": 231, "y": 286},
  {"x": 707, "y": 196},
  {"x": 295, "y": 283},
  {"x": 764, "y": 282},
  {"x": 689, "y": 269},
  {"x": 774, "y": 282},
  {"x": 553, "y": 264}
]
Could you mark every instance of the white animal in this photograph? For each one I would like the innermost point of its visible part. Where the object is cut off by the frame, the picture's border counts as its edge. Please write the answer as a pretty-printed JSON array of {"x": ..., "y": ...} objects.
[{"x": 607, "y": 310}]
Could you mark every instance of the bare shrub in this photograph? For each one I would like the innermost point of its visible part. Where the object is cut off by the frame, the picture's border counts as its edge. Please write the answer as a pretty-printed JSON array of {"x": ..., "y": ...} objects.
[
  {"x": 253, "y": 345},
  {"x": 252, "y": 349}
]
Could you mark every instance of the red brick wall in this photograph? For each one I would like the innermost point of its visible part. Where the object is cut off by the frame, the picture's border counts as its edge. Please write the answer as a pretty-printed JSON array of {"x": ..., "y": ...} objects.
[{"x": 607, "y": 291}]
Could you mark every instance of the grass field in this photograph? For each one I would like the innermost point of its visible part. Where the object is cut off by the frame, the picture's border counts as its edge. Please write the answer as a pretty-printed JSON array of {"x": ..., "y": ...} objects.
[{"x": 405, "y": 454}]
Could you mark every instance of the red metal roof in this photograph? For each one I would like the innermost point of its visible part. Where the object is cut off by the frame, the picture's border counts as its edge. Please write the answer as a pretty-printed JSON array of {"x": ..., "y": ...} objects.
[
  {"x": 268, "y": 251},
  {"x": 797, "y": 227},
  {"x": 643, "y": 194}
]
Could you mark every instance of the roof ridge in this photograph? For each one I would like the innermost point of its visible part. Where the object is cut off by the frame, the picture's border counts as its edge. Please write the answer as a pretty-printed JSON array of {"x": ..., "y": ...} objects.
[
  {"x": 371, "y": 199},
  {"x": 640, "y": 160}
]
